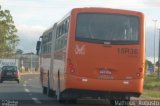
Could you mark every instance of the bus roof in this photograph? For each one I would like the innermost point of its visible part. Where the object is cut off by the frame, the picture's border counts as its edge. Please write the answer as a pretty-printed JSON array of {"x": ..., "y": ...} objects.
[
  {"x": 96, "y": 9},
  {"x": 49, "y": 30}
]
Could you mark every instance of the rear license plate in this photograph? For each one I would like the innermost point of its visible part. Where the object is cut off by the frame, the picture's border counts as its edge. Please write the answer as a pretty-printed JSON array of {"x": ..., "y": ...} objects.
[
  {"x": 9, "y": 73},
  {"x": 104, "y": 71}
]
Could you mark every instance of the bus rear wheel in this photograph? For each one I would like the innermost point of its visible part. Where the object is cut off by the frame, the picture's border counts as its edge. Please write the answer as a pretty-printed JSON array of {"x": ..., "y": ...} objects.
[
  {"x": 50, "y": 93},
  {"x": 72, "y": 101},
  {"x": 18, "y": 81},
  {"x": 59, "y": 97},
  {"x": 44, "y": 90}
]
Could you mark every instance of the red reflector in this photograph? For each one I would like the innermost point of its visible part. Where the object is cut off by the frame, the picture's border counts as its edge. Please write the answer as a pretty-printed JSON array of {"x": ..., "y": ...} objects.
[
  {"x": 138, "y": 74},
  {"x": 140, "y": 69},
  {"x": 71, "y": 68},
  {"x": 16, "y": 74}
]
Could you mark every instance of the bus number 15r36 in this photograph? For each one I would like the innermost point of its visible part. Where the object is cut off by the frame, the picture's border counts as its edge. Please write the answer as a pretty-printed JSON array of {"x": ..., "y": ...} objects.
[{"x": 128, "y": 51}]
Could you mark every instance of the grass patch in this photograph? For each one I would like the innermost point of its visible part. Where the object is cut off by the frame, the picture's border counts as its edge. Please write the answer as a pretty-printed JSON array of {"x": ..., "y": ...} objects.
[
  {"x": 151, "y": 93},
  {"x": 151, "y": 87},
  {"x": 151, "y": 82}
]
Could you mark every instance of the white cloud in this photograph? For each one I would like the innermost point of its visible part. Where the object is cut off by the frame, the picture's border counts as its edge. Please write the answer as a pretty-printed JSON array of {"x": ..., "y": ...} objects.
[
  {"x": 153, "y": 3},
  {"x": 30, "y": 30},
  {"x": 28, "y": 36},
  {"x": 152, "y": 59}
]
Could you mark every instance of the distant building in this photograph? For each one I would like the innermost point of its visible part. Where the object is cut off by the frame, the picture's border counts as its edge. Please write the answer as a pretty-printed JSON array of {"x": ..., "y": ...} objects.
[{"x": 28, "y": 61}]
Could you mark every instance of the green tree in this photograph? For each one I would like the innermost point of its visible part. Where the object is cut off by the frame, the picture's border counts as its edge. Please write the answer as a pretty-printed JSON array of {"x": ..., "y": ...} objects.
[
  {"x": 148, "y": 63},
  {"x": 19, "y": 52},
  {"x": 8, "y": 37}
]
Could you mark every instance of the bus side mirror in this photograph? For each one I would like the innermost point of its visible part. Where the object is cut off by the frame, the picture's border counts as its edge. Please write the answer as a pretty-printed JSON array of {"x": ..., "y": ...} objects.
[{"x": 38, "y": 47}]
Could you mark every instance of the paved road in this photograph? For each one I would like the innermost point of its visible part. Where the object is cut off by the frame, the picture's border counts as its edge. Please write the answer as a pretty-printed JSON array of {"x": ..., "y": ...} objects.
[{"x": 29, "y": 93}]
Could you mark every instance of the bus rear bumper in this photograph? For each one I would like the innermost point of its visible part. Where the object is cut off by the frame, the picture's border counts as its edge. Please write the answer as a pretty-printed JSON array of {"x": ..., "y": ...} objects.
[
  {"x": 130, "y": 87},
  {"x": 70, "y": 94}
]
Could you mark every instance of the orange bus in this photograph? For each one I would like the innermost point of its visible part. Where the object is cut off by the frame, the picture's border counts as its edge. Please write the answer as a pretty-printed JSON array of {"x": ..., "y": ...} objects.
[{"x": 94, "y": 52}]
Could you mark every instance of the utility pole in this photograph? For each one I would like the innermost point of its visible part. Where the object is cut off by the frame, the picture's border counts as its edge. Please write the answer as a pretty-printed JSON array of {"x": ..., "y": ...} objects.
[
  {"x": 155, "y": 21},
  {"x": 31, "y": 61},
  {"x": 159, "y": 56}
]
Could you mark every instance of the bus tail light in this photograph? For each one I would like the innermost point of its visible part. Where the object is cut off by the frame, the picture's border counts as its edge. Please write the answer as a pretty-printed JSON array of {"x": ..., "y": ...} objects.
[
  {"x": 16, "y": 73},
  {"x": 71, "y": 66},
  {"x": 1, "y": 74},
  {"x": 140, "y": 69},
  {"x": 139, "y": 73}
]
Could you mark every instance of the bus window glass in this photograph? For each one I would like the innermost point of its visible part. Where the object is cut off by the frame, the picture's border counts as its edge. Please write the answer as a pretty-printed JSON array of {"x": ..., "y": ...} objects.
[{"x": 114, "y": 28}]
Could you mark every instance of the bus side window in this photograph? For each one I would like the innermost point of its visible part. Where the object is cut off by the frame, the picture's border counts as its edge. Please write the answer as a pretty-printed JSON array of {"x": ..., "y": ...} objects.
[
  {"x": 56, "y": 43},
  {"x": 47, "y": 38},
  {"x": 61, "y": 42},
  {"x": 57, "y": 32},
  {"x": 63, "y": 29},
  {"x": 64, "y": 41},
  {"x": 50, "y": 36},
  {"x": 67, "y": 25},
  {"x": 60, "y": 31},
  {"x": 47, "y": 48},
  {"x": 44, "y": 39}
]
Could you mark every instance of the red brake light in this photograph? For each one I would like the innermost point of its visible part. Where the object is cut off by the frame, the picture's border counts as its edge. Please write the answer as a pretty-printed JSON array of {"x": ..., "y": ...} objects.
[
  {"x": 139, "y": 73},
  {"x": 17, "y": 73},
  {"x": 71, "y": 68},
  {"x": 140, "y": 69},
  {"x": 1, "y": 73}
]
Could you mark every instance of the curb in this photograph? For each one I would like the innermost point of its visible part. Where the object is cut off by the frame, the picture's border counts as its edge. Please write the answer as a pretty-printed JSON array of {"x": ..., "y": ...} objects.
[{"x": 30, "y": 73}]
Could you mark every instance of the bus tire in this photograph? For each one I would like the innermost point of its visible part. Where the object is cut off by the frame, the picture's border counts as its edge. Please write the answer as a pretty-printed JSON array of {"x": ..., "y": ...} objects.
[
  {"x": 72, "y": 101},
  {"x": 49, "y": 91},
  {"x": 18, "y": 81},
  {"x": 49, "y": 94},
  {"x": 44, "y": 90},
  {"x": 59, "y": 96}
]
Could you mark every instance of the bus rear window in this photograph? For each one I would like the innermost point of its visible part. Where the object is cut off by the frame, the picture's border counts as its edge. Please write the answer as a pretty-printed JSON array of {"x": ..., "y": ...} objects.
[{"x": 112, "y": 28}]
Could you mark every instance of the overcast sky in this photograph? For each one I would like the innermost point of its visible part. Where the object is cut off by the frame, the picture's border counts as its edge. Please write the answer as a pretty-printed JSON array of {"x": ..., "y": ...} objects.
[{"x": 32, "y": 17}]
